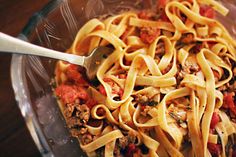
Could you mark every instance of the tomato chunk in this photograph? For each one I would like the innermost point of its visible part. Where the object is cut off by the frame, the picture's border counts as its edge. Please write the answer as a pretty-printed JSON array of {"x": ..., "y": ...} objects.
[
  {"x": 229, "y": 103},
  {"x": 164, "y": 17},
  {"x": 214, "y": 149},
  {"x": 82, "y": 93},
  {"x": 90, "y": 103},
  {"x": 131, "y": 149},
  {"x": 116, "y": 89},
  {"x": 214, "y": 120},
  {"x": 161, "y": 4},
  {"x": 102, "y": 90},
  {"x": 144, "y": 15},
  {"x": 69, "y": 93},
  {"x": 72, "y": 72},
  {"x": 207, "y": 11}
]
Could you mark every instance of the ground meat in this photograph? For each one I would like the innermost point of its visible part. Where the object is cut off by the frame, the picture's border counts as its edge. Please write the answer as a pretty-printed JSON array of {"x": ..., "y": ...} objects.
[
  {"x": 187, "y": 38},
  {"x": 161, "y": 4},
  {"x": 123, "y": 142},
  {"x": 76, "y": 115},
  {"x": 149, "y": 34},
  {"x": 100, "y": 152},
  {"x": 191, "y": 68},
  {"x": 147, "y": 15},
  {"x": 130, "y": 150},
  {"x": 160, "y": 48},
  {"x": 228, "y": 87},
  {"x": 116, "y": 89},
  {"x": 117, "y": 152},
  {"x": 197, "y": 48},
  {"x": 214, "y": 149},
  {"x": 83, "y": 113},
  {"x": 146, "y": 100},
  {"x": 83, "y": 130},
  {"x": 137, "y": 153},
  {"x": 86, "y": 138},
  {"x": 167, "y": 69},
  {"x": 74, "y": 122},
  {"x": 141, "y": 98},
  {"x": 69, "y": 109},
  {"x": 75, "y": 132},
  {"x": 132, "y": 137},
  {"x": 179, "y": 76},
  {"x": 145, "y": 110}
]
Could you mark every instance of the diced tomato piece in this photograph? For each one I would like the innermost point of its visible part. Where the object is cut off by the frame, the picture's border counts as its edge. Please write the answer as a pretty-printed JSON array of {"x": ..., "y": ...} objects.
[
  {"x": 126, "y": 62},
  {"x": 214, "y": 120},
  {"x": 207, "y": 11},
  {"x": 228, "y": 103},
  {"x": 94, "y": 122},
  {"x": 149, "y": 34},
  {"x": 90, "y": 103},
  {"x": 143, "y": 107},
  {"x": 82, "y": 94},
  {"x": 67, "y": 93},
  {"x": 211, "y": 43},
  {"x": 107, "y": 79},
  {"x": 101, "y": 112},
  {"x": 197, "y": 48},
  {"x": 216, "y": 74},
  {"x": 115, "y": 88},
  {"x": 164, "y": 17},
  {"x": 161, "y": 4},
  {"x": 122, "y": 76},
  {"x": 121, "y": 92},
  {"x": 125, "y": 34},
  {"x": 144, "y": 15},
  {"x": 72, "y": 72},
  {"x": 214, "y": 149},
  {"x": 102, "y": 90},
  {"x": 131, "y": 149}
]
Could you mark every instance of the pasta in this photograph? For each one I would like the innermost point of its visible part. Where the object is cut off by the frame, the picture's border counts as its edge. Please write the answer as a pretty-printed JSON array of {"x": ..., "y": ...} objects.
[{"x": 167, "y": 89}]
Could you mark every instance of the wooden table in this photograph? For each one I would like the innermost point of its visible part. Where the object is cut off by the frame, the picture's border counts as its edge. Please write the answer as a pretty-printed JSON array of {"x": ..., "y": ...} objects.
[{"x": 15, "y": 140}]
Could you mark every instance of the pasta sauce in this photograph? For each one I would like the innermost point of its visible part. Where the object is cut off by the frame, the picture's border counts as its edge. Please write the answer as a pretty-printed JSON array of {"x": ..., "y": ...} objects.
[{"x": 168, "y": 88}]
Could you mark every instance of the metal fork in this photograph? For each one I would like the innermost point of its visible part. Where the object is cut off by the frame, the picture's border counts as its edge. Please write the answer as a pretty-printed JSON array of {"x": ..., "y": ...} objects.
[{"x": 91, "y": 63}]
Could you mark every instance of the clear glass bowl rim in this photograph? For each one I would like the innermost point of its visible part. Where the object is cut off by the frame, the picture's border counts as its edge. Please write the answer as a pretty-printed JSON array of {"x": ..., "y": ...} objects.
[{"x": 17, "y": 80}]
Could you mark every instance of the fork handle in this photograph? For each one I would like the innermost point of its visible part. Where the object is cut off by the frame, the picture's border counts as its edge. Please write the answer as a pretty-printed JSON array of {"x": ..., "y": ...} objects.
[{"x": 13, "y": 45}]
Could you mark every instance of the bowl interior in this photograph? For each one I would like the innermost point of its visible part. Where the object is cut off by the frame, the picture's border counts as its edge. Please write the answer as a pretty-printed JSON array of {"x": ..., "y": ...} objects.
[{"x": 55, "y": 27}]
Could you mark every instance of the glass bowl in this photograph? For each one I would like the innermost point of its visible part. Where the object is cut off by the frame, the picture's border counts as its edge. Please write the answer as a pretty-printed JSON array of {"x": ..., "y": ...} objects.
[{"x": 55, "y": 27}]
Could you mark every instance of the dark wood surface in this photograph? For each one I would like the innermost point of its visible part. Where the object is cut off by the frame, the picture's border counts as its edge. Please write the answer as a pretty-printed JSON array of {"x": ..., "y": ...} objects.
[{"x": 15, "y": 139}]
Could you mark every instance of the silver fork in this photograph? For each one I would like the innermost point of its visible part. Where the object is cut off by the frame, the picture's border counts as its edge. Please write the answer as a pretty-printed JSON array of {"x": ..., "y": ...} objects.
[{"x": 91, "y": 63}]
